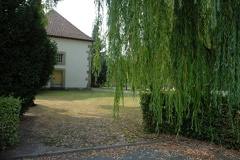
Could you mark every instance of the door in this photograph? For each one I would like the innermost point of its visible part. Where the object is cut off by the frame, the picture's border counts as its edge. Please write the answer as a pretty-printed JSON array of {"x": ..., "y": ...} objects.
[{"x": 57, "y": 78}]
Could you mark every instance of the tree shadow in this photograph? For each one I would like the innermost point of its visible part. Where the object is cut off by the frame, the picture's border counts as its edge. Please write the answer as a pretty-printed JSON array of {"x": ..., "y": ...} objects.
[
  {"x": 48, "y": 129},
  {"x": 70, "y": 95}
]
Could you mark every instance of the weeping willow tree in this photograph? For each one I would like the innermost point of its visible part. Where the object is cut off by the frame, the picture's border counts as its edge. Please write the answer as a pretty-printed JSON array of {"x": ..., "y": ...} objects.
[{"x": 187, "y": 49}]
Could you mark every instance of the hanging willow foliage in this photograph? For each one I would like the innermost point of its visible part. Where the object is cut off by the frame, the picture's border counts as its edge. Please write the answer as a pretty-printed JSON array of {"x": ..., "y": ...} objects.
[{"x": 186, "y": 49}]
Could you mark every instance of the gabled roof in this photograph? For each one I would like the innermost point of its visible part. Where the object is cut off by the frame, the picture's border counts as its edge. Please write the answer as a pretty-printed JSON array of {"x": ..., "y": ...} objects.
[{"x": 58, "y": 26}]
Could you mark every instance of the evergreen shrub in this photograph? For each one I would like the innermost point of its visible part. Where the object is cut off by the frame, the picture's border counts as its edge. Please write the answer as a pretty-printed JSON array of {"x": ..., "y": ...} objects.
[
  {"x": 27, "y": 56},
  {"x": 9, "y": 121},
  {"x": 150, "y": 123},
  {"x": 216, "y": 125},
  {"x": 147, "y": 113}
]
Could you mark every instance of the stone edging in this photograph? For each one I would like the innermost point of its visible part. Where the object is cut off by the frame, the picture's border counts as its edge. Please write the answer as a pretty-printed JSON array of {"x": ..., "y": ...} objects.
[{"x": 81, "y": 150}]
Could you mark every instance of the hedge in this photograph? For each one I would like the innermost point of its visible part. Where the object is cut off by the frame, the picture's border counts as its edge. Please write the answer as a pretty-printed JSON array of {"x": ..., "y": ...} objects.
[
  {"x": 9, "y": 121},
  {"x": 215, "y": 126}
]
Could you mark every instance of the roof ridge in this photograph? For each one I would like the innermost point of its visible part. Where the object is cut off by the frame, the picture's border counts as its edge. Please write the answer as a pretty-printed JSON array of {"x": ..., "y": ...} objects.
[
  {"x": 59, "y": 26},
  {"x": 70, "y": 22}
]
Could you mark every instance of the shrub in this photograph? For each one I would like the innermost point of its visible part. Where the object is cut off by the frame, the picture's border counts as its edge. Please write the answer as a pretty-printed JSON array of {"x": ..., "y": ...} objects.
[
  {"x": 215, "y": 126},
  {"x": 9, "y": 121},
  {"x": 147, "y": 113},
  {"x": 27, "y": 55}
]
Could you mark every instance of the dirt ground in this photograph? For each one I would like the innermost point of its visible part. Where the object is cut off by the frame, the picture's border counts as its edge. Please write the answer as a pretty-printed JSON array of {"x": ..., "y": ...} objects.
[
  {"x": 164, "y": 148},
  {"x": 80, "y": 125}
]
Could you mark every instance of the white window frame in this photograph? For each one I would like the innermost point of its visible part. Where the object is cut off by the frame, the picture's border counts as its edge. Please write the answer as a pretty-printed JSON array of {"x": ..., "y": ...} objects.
[{"x": 60, "y": 58}]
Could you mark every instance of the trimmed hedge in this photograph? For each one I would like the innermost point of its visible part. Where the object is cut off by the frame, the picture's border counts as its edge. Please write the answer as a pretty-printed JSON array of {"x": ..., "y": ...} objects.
[
  {"x": 9, "y": 121},
  {"x": 215, "y": 126},
  {"x": 148, "y": 116}
]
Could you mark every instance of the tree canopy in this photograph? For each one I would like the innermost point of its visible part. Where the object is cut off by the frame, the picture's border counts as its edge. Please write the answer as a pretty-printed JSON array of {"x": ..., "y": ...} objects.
[
  {"x": 99, "y": 69},
  {"x": 27, "y": 55},
  {"x": 188, "y": 50}
]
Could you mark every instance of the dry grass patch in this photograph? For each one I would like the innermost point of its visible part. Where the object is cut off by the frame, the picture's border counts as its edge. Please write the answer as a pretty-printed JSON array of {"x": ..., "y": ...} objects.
[{"x": 79, "y": 119}]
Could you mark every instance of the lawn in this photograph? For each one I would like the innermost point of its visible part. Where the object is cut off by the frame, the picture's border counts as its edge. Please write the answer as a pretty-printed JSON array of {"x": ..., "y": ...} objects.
[{"x": 79, "y": 119}]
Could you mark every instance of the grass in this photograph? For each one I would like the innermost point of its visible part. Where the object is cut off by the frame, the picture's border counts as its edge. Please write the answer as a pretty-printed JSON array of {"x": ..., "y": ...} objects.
[{"x": 78, "y": 119}]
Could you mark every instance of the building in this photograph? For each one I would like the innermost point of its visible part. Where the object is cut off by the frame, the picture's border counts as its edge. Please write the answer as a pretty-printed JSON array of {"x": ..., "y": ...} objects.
[{"x": 73, "y": 69}]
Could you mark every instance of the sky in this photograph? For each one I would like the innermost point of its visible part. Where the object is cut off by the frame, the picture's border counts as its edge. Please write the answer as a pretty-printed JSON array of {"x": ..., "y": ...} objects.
[{"x": 81, "y": 13}]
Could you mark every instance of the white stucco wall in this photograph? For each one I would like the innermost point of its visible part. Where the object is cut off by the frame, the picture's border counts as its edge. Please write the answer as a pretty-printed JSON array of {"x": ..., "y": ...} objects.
[{"x": 76, "y": 65}]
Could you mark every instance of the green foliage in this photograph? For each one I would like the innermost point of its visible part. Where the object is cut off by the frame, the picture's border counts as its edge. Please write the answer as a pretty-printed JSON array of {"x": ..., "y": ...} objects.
[
  {"x": 189, "y": 46},
  {"x": 101, "y": 78},
  {"x": 27, "y": 55},
  {"x": 214, "y": 126},
  {"x": 148, "y": 115},
  {"x": 99, "y": 58},
  {"x": 9, "y": 121},
  {"x": 50, "y": 3}
]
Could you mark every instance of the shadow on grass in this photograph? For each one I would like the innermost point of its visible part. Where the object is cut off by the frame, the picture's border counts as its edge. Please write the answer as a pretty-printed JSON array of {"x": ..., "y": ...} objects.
[
  {"x": 72, "y": 95},
  {"x": 53, "y": 126},
  {"x": 108, "y": 107},
  {"x": 46, "y": 129}
]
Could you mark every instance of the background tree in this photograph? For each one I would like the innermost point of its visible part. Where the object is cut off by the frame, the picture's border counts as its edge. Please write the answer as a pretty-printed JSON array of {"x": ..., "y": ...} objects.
[
  {"x": 191, "y": 47},
  {"x": 27, "y": 55},
  {"x": 100, "y": 60}
]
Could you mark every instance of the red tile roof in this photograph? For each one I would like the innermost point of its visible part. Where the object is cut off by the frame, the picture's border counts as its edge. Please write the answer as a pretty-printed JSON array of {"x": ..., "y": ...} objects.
[{"x": 58, "y": 26}]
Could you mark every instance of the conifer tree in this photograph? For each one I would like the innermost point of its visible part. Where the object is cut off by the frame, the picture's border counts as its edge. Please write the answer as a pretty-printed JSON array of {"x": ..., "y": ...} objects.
[{"x": 27, "y": 55}]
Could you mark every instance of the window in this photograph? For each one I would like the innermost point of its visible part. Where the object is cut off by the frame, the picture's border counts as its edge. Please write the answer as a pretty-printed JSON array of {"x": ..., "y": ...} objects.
[{"x": 60, "y": 58}]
